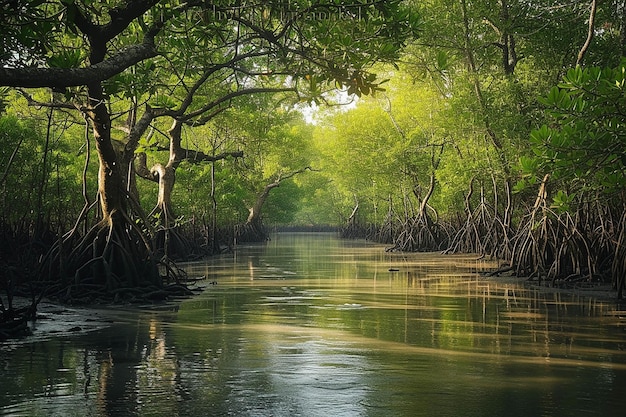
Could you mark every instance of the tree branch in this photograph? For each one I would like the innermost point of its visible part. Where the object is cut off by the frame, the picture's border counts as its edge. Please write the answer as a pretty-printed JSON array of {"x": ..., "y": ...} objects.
[
  {"x": 590, "y": 32},
  {"x": 198, "y": 156},
  {"x": 53, "y": 104},
  {"x": 71, "y": 77},
  {"x": 234, "y": 94}
]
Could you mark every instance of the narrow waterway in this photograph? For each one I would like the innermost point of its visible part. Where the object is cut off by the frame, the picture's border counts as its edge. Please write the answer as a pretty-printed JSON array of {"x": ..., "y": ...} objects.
[{"x": 310, "y": 325}]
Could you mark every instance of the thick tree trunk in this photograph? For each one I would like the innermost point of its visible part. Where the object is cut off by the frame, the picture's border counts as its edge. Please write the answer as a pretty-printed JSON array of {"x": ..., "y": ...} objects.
[
  {"x": 167, "y": 179},
  {"x": 110, "y": 179},
  {"x": 169, "y": 238},
  {"x": 167, "y": 173},
  {"x": 115, "y": 253},
  {"x": 164, "y": 175}
]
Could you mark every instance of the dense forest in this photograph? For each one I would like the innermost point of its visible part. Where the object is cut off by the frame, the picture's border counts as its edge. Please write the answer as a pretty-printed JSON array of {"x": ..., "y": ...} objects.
[
  {"x": 500, "y": 132},
  {"x": 141, "y": 132}
]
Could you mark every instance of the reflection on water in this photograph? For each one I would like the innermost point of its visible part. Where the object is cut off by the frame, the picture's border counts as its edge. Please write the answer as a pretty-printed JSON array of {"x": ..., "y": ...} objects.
[{"x": 308, "y": 325}]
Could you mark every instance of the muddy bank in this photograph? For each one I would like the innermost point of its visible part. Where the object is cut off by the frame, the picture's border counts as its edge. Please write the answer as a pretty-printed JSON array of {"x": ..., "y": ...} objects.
[{"x": 55, "y": 320}]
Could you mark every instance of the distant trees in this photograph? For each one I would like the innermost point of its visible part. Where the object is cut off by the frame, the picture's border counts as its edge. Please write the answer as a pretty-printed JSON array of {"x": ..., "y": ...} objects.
[{"x": 282, "y": 154}]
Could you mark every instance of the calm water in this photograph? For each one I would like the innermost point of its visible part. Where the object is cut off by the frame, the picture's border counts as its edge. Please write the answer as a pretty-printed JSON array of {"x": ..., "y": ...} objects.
[{"x": 309, "y": 325}]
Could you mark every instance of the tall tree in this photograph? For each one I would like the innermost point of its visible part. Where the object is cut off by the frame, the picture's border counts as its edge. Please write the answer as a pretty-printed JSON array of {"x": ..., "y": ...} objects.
[{"x": 95, "y": 48}]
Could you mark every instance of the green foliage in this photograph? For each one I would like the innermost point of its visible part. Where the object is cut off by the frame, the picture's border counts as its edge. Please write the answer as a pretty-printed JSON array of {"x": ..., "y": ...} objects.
[
  {"x": 4, "y": 99},
  {"x": 283, "y": 203},
  {"x": 584, "y": 145},
  {"x": 321, "y": 203},
  {"x": 67, "y": 58},
  {"x": 382, "y": 150},
  {"x": 23, "y": 175},
  {"x": 28, "y": 29},
  {"x": 562, "y": 202},
  {"x": 209, "y": 55}
]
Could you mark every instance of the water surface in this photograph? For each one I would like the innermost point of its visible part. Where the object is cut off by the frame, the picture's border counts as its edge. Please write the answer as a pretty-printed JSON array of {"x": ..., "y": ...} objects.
[{"x": 310, "y": 325}]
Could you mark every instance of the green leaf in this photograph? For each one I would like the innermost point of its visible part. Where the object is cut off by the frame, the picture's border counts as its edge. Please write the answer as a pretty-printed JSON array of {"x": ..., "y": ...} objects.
[
  {"x": 67, "y": 58},
  {"x": 520, "y": 186},
  {"x": 442, "y": 61},
  {"x": 528, "y": 164},
  {"x": 561, "y": 202}
]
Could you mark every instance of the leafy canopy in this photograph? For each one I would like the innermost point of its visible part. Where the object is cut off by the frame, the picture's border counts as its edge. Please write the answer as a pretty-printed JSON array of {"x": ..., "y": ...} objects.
[{"x": 585, "y": 145}]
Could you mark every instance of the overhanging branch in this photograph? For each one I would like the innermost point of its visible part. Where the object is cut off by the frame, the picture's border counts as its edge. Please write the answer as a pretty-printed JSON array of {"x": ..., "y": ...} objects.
[
  {"x": 234, "y": 94},
  {"x": 72, "y": 77}
]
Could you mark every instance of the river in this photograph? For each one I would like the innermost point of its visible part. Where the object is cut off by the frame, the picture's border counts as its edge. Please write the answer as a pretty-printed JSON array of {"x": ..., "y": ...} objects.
[{"x": 311, "y": 325}]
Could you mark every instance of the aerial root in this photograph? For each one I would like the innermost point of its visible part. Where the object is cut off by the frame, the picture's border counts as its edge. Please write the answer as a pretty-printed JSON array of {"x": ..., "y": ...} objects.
[
  {"x": 112, "y": 255},
  {"x": 250, "y": 233}
]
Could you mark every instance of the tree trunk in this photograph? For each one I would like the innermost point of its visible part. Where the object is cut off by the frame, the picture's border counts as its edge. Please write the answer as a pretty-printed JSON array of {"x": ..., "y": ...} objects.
[
  {"x": 590, "y": 33},
  {"x": 115, "y": 253},
  {"x": 164, "y": 175},
  {"x": 170, "y": 240},
  {"x": 252, "y": 229},
  {"x": 255, "y": 210},
  {"x": 167, "y": 179},
  {"x": 254, "y": 216},
  {"x": 110, "y": 179},
  {"x": 622, "y": 34},
  {"x": 213, "y": 232},
  {"x": 509, "y": 53}
]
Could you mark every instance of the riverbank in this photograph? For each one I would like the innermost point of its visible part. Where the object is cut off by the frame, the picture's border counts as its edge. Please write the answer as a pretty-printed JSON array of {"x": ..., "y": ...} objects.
[
  {"x": 57, "y": 319},
  {"x": 599, "y": 291}
]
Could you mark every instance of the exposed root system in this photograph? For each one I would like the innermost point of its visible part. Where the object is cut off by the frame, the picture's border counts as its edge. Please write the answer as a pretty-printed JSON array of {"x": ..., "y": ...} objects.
[
  {"x": 250, "y": 232},
  {"x": 112, "y": 262}
]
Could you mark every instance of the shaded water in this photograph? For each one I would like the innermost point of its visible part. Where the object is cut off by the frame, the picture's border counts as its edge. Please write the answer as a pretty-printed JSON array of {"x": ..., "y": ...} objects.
[{"x": 308, "y": 325}]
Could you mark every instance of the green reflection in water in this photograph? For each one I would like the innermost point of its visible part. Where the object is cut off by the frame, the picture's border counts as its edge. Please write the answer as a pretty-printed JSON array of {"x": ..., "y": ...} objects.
[{"x": 308, "y": 325}]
